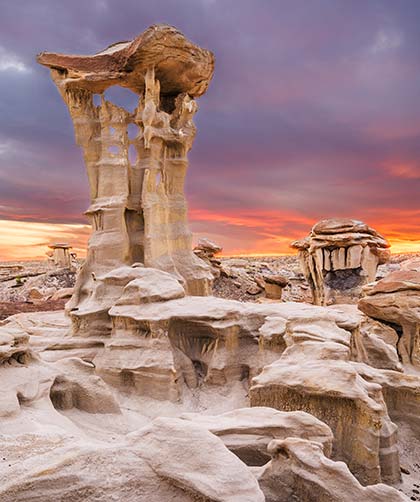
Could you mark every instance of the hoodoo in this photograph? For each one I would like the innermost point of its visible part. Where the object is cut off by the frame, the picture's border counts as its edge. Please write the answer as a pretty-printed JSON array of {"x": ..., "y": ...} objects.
[{"x": 138, "y": 209}]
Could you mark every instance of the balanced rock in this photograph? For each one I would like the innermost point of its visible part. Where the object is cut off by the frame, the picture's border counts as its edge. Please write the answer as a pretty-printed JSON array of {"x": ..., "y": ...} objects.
[
  {"x": 273, "y": 285},
  {"x": 138, "y": 209},
  {"x": 61, "y": 254},
  {"x": 338, "y": 257}
]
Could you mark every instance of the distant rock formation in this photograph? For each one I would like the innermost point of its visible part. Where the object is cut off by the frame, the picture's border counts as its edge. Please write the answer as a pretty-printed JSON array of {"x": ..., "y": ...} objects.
[
  {"x": 138, "y": 208},
  {"x": 60, "y": 254},
  {"x": 338, "y": 257}
]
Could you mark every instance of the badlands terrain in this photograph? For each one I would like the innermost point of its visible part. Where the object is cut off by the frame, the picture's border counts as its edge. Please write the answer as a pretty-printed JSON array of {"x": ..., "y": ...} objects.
[
  {"x": 46, "y": 287},
  {"x": 157, "y": 371},
  {"x": 76, "y": 406}
]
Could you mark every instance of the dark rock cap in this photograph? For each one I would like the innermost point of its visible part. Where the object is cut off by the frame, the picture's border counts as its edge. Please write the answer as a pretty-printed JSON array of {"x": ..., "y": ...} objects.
[{"x": 180, "y": 65}]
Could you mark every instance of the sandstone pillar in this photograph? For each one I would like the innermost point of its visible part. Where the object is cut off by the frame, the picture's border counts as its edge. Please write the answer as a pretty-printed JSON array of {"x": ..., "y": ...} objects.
[{"x": 138, "y": 209}]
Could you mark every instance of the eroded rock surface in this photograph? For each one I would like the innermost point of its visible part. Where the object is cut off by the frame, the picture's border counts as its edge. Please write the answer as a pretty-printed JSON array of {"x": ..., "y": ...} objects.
[
  {"x": 318, "y": 373},
  {"x": 300, "y": 470},
  {"x": 248, "y": 431},
  {"x": 396, "y": 300},
  {"x": 169, "y": 460}
]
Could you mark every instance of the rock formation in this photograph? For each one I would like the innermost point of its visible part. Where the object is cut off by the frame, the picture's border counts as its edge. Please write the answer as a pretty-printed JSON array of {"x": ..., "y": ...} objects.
[
  {"x": 138, "y": 209},
  {"x": 273, "y": 285},
  {"x": 396, "y": 300},
  {"x": 168, "y": 460},
  {"x": 338, "y": 257},
  {"x": 190, "y": 350},
  {"x": 247, "y": 432},
  {"x": 206, "y": 249},
  {"x": 318, "y": 372},
  {"x": 300, "y": 471},
  {"x": 61, "y": 255}
]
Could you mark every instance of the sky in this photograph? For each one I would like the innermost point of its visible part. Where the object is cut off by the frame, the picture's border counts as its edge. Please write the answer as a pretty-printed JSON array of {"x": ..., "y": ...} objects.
[{"x": 313, "y": 112}]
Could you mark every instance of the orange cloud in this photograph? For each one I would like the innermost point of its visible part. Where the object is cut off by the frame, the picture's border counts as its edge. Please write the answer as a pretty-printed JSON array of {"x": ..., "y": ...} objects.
[
  {"x": 21, "y": 240},
  {"x": 270, "y": 232},
  {"x": 407, "y": 171},
  {"x": 263, "y": 232}
]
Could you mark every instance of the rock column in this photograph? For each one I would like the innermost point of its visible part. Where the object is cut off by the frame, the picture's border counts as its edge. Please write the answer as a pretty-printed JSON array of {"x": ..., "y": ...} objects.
[{"x": 138, "y": 209}]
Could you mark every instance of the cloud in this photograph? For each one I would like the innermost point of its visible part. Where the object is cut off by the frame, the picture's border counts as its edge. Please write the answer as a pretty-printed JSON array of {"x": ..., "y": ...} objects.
[
  {"x": 407, "y": 171},
  {"x": 4, "y": 148},
  {"x": 11, "y": 62},
  {"x": 386, "y": 40}
]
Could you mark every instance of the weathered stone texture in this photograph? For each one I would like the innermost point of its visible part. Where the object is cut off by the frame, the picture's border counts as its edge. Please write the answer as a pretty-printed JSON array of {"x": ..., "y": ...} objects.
[{"x": 338, "y": 257}]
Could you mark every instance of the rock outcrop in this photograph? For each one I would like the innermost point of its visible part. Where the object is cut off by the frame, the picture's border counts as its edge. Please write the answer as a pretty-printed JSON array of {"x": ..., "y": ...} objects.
[
  {"x": 207, "y": 249},
  {"x": 396, "y": 300},
  {"x": 247, "y": 432},
  {"x": 61, "y": 255},
  {"x": 273, "y": 285},
  {"x": 168, "y": 460},
  {"x": 338, "y": 257},
  {"x": 317, "y": 373},
  {"x": 299, "y": 470}
]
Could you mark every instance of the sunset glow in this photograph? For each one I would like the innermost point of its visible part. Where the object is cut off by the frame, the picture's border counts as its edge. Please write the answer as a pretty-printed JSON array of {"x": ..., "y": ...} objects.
[
  {"x": 308, "y": 117},
  {"x": 21, "y": 240},
  {"x": 259, "y": 234}
]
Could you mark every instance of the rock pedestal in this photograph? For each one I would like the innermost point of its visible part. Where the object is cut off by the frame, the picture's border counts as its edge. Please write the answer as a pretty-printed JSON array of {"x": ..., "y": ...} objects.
[
  {"x": 138, "y": 209},
  {"x": 61, "y": 256},
  {"x": 340, "y": 256},
  {"x": 273, "y": 285}
]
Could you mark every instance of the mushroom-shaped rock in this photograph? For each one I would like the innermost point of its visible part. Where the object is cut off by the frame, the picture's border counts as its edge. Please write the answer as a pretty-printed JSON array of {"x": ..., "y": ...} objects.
[
  {"x": 273, "y": 285},
  {"x": 338, "y": 257},
  {"x": 138, "y": 209},
  {"x": 61, "y": 254},
  {"x": 396, "y": 299}
]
